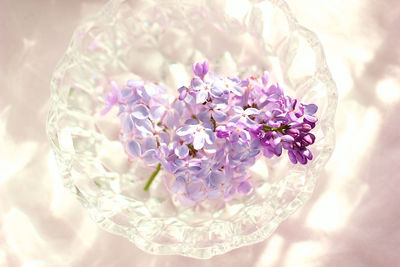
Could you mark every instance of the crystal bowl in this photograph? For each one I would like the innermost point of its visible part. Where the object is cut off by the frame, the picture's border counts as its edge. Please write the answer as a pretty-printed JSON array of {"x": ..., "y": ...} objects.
[{"x": 159, "y": 41}]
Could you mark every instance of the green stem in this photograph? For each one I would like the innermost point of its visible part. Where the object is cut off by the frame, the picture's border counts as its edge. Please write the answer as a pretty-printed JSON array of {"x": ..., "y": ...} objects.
[
  {"x": 214, "y": 123},
  {"x": 152, "y": 176},
  {"x": 280, "y": 129},
  {"x": 192, "y": 151},
  {"x": 71, "y": 91}
]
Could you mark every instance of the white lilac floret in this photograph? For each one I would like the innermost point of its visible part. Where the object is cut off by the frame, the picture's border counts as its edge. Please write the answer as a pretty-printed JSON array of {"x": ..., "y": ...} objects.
[{"x": 213, "y": 132}]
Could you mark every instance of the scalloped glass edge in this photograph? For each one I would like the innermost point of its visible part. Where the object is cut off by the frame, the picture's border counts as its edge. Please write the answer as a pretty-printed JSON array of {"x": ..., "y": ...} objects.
[{"x": 322, "y": 74}]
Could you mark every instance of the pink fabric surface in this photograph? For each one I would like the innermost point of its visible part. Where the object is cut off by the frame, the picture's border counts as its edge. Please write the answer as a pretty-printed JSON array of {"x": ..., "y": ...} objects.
[{"x": 352, "y": 220}]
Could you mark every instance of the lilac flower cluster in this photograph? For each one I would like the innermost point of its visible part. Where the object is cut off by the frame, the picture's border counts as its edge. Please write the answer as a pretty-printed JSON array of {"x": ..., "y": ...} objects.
[{"x": 210, "y": 135}]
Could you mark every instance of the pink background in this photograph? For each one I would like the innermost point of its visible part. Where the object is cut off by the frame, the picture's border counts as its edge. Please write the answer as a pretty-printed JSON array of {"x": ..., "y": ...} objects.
[{"x": 351, "y": 220}]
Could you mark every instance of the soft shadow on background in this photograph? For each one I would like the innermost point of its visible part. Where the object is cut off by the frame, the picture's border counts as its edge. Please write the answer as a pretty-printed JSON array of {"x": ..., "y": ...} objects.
[{"x": 351, "y": 220}]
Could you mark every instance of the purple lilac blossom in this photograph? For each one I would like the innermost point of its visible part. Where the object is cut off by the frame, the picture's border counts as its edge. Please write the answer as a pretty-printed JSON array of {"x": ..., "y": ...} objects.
[{"x": 213, "y": 132}]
